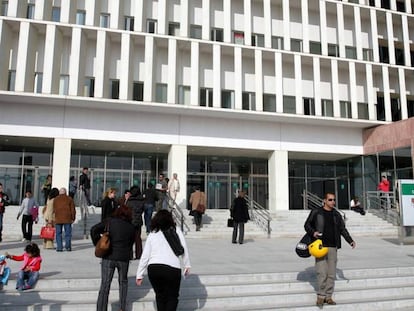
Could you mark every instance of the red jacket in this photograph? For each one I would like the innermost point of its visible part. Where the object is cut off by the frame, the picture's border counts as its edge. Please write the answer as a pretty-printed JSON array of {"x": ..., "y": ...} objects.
[
  {"x": 28, "y": 262},
  {"x": 384, "y": 185}
]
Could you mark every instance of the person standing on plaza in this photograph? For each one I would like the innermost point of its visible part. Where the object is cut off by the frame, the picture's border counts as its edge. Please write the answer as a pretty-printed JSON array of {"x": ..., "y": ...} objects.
[
  {"x": 124, "y": 199},
  {"x": 109, "y": 203},
  {"x": 240, "y": 214},
  {"x": 173, "y": 188},
  {"x": 326, "y": 223},
  {"x": 122, "y": 236},
  {"x": 197, "y": 199},
  {"x": 73, "y": 186},
  {"x": 384, "y": 188},
  {"x": 164, "y": 267},
  {"x": 4, "y": 201},
  {"x": 85, "y": 185},
  {"x": 136, "y": 203},
  {"x": 46, "y": 187},
  {"x": 150, "y": 198},
  {"x": 25, "y": 211},
  {"x": 49, "y": 216},
  {"x": 161, "y": 190},
  {"x": 65, "y": 215}
]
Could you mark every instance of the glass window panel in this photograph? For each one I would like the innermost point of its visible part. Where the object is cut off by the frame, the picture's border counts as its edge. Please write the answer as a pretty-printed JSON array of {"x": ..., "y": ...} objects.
[
  {"x": 38, "y": 82},
  {"x": 350, "y": 52},
  {"x": 80, "y": 17},
  {"x": 151, "y": 26},
  {"x": 206, "y": 97},
  {"x": 289, "y": 104},
  {"x": 367, "y": 54},
  {"x": 296, "y": 45},
  {"x": 217, "y": 34},
  {"x": 64, "y": 85},
  {"x": 56, "y": 14},
  {"x": 11, "y": 81},
  {"x": 161, "y": 93},
  {"x": 4, "y": 8},
  {"x": 227, "y": 99},
  {"x": 269, "y": 102},
  {"x": 258, "y": 40},
  {"x": 238, "y": 37},
  {"x": 309, "y": 106},
  {"x": 117, "y": 160},
  {"x": 89, "y": 87},
  {"x": 30, "y": 11},
  {"x": 395, "y": 109},
  {"x": 138, "y": 91},
  {"x": 410, "y": 107},
  {"x": 129, "y": 23},
  {"x": 114, "y": 89},
  {"x": 184, "y": 95},
  {"x": 380, "y": 108},
  {"x": 196, "y": 164},
  {"x": 174, "y": 29},
  {"x": 315, "y": 47},
  {"x": 195, "y": 32},
  {"x": 345, "y": 109},
  {"x": 104, "y": 20},
  {"x": 327, "y": 107},
  {"x": 277, "y": 43},
  {"x": 248, "y": 101},
  {"x": 363, "y": 111},
  {"x": 333, "y": 50}
]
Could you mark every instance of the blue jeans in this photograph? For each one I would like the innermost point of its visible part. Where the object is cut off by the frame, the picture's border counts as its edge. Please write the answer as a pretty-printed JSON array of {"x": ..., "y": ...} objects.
[
  {"x": 68, "y": 236},
  {"x": 1, "y": 225},
  {"x": 107, "y": 273},
  {"x": 30, "y": 276},
  {"x": 148, "y": 210}
]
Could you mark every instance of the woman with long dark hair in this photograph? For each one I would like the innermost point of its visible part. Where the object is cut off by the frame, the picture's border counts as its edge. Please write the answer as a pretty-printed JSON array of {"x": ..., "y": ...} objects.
[
  {"x": 122, "y": 236},
  {"x": 164, "y": 267}
]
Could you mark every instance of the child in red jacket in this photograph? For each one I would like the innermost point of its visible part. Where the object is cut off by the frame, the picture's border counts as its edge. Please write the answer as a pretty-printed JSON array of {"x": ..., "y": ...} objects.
[{"x": 29, "y": 272}]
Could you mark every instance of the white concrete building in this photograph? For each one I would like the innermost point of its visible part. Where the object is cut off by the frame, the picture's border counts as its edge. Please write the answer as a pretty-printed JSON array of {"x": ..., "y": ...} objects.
[{"x": 272, "y": 96}]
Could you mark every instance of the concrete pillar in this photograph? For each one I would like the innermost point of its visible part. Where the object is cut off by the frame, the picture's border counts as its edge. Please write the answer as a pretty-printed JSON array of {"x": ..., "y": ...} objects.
[
  {"x": 195, "y": 73},
  {"x": 172, "y": 72},
  {"x": 216, "y": 75},
  {"x": 5, "y": 40},
  {"x": 247, "y": 22},
  {"x": 317, "y": 85},
  {"x": 61, "y": 162},
  {"x": 51, "y": 68},
  {"x": 353, "y": 88},
  {"x": 371, "y": 93},
  {"x": 286, "y": 24},
  {"x": 227, "y": 21},
  {"x": 341, "y": 29},
  {"x": 205, "y": 29},
  {"x": 162, "y": 17},
  {"x": 238, "y": 78},
  {"x": 68, "y": 12},
  {"x": 279, "y": 82},
  {"x": 358, "y": 32},
  {"x": 101, "y": 65},
  {"x": 267, "y": 17},
  {"x": 390, "y": 36},
  {"x": 335, "y": 88},
  {"x": 149, "y": 60},
  {"x": 25, "y": 66},
  {"x": 125, "y": 85},
  {"x": 403, "y": 93},
  {"x": 386, "y": 88},
  {"x": 278, "y": 181},
  {"x": 77, "y": 61},
  {"x": 138, "y": 15},
  {"x": 258, "y": 68},
  {"x": 323, "y": 27},
  {"x": 184, "y": 18},
  {"x": 374, "y": 36},
  {"x": 305, "y": 25},
  {"x": 298, "y": 84},
  {"x": 177, "y": 163}
]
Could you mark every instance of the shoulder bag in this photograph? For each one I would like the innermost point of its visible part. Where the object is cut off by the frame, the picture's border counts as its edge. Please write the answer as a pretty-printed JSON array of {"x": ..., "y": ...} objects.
[
  {"x": 173, "y": 239},
  {"x": 103, "y": 246},
  {"x": 201, "y": 208}
]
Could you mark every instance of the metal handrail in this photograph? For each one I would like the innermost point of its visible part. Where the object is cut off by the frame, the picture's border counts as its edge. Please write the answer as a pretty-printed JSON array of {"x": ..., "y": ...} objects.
[
  {"x": 312, "y": 201},
  {"x": 259, "y": 214},
  {"x": 178, "y": 214}
]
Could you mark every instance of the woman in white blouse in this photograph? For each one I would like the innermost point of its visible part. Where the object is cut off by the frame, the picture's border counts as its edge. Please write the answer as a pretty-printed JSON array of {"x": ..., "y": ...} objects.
[{"x": 164, "y": 267}]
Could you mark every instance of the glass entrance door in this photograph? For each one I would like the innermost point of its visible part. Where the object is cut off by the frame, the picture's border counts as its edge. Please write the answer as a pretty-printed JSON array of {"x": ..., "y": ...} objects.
[
  {"x": 218, "y": 191},
  {"x": 33, "y": 178}
]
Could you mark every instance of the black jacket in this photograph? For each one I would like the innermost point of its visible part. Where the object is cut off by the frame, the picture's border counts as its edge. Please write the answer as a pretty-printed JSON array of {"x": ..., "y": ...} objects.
[
  {"x": 315, "y": 222},
  {"x": 108, "y": 207},
  {"x": 84, "y": 181},
  {"x": 240, "y": 211},
  {"x": 136, "y": 203},
  {"x": 122, "y": 236}
]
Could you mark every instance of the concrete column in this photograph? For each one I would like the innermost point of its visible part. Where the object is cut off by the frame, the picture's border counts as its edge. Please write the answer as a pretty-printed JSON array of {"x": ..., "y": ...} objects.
[
  {"x": 227, "y": 21},
  {"x": 125, "y": 81},
  {"x": 317, "y": 86},
  {"x": 353, "y": 90},
  {"x": 93, "y": 10},
  {"x": 25, "y": 66},
  {"x": 15, "y": 8},
  {"x": 305, "y": 25},
  {"x": 205, "y": 29},
  {"x": 406, "y": 40},
  {"x": 247, "y": 22},
  {"x": 5, "y": 35},
  {"x": 403, "y": 93},
  {"x": 162, "y": 17},
  {"x": 138, "y": 15},
  {"x": 279, "y": 82},
  {"x": 172, "y": 71},
  {"x": 77, "y": 61},
  {"x": 358, "y": 33},
  {"x": 195, "y": 73},
  {"x": 374, "y": 36},
  {"x": 68, "y": 12},
  {"x": 286, "y": 25},
  {"x": 149, "y": 72},
  {"x": 238, "y": 78},
  {"x": 323, "y": 27},
  {"x": 335, "y": 88},
  {"x": 409, "y": 9},
  {"x": 51, "y": 68},
  {"x": 177, "y": 163},
  {"x": 43, "y": 10},
  {"x": 386, "y": 88},
  {"x": 61, "y": 162},
  {"x": 341, "y": 29},
  {"x": 370, "y": 93},
  {"x": 278, "y": 181},
  {"x": 258, "y": 66},
  {"x": 115, "y": 7},
  {"x": 184, "y": 29},
  {"x": 267, "y": 9},
  {"x": 101, "y": 67},
  {"x": 217, "y": 76},
  {"x": 298, "y": 83},
  {"x": 390, "y": 35}
]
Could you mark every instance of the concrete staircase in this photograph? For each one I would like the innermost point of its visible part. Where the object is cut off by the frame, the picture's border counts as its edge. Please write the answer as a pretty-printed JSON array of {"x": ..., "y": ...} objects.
[{"x": 367, "y": 289}]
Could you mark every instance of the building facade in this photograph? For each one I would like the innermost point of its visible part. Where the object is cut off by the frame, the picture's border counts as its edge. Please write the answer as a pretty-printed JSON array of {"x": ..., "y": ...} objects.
[{"x": 271, "y": 96}]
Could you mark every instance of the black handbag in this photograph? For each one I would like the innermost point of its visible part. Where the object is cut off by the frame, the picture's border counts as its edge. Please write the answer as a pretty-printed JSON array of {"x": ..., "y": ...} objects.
[
  {"x": 301, "y": 248},
  {"x": 173, "y": 239},
  {"x": 230, "y": 222}
]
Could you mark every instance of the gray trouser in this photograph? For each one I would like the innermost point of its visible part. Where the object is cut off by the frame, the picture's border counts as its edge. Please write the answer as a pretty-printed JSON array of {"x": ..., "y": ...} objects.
[
  {"x": 240, "y": 226},
  {"x": 326, "y": 273}
]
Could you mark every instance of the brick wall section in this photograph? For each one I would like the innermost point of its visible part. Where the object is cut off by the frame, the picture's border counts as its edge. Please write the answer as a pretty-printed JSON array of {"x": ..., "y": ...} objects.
[{"x": 391, "y": 136}]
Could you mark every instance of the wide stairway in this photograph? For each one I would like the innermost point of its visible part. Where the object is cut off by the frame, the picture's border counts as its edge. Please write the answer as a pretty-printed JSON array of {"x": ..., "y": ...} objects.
[{"x": 386, "y": 288}]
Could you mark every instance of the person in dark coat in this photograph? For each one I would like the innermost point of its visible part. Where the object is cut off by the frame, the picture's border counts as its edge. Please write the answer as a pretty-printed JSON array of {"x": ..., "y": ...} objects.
[
  {"x": 122, "y": 236},
  {"x": 150, "y": 197},
  {"x": 240, "y": 215},
  {"x": 136, "y": 203},
  {"x": 108, "y": 204}
]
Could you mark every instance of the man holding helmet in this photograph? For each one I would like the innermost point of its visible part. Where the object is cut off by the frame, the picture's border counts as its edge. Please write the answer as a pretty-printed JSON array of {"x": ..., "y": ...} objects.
[{"x": 326, "y": 225}]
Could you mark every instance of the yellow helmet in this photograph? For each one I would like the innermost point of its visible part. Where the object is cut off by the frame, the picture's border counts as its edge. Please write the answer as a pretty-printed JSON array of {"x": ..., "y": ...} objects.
[{"x": 316, "y": 249}]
